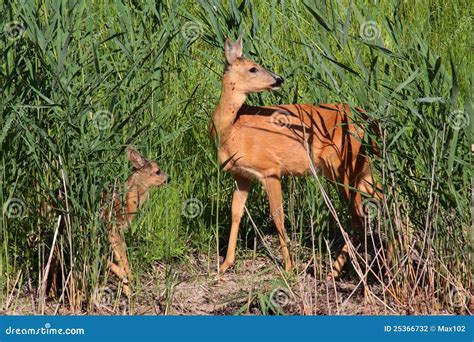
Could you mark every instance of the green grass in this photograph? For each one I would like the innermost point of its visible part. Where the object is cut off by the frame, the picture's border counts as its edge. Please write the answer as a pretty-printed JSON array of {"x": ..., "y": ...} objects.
[{"x": 134, "y": 61}]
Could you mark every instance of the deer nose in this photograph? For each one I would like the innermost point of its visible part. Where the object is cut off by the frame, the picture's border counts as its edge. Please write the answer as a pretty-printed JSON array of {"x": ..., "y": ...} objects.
[{"x": 279, "y": 80}]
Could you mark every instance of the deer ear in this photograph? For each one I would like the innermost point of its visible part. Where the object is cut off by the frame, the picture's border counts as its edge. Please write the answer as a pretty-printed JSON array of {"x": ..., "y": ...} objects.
[
  {"x": 239, "y": 46},
  {"x": 135, "y": 157},
  {"x": 232, "y": 50}
]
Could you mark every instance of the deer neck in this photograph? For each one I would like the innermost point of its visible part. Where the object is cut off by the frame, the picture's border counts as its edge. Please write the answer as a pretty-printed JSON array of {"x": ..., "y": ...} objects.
[
  {"x": 136, "y": 195},
  {"x": 226, "y": 111}
]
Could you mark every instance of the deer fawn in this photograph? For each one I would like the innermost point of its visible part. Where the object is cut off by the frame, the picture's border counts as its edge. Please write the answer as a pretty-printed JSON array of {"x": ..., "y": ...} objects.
[
  {"x": 145, "y": 175},
  {"x": 265, "y": 143}
]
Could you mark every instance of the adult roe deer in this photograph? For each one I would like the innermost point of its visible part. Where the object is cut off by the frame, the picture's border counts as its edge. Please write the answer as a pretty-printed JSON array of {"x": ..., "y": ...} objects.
[
  {"x": 265, "y": 143},
  {"x": 145, "y": 175}
]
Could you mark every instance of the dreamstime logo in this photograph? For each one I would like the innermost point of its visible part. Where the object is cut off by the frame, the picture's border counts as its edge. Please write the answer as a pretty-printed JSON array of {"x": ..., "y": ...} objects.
[
  {"x": 280, "y": 119},
  {"x": 102, "y": 119},
  {"x": 192, "y": 208},
  {"x": 369, "y": 30},
  {"x": 103, "y": 296},
  {"x": 46, "y": 330},
  {"x": 370, "y": 208},
  {"x": 192, "y": 30},
  {"x": 14, "y": 208},
  {"x": 466, "y": 21},
  {"x": 458, "y": 299},
  {"x": 280, "y": 297},
  {"x": 459, "y": 119},
  {"x": 14, "y": 30}
]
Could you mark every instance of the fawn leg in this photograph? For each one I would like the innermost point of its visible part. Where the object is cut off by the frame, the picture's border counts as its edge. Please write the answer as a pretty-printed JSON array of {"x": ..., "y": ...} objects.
[
  {"x": 119, "y": 272},
  {"x": 273, "y": 188},
  {"x": 238, "y": 204},
  {"x": 121, "y": 268},
  {"x": 123, "y": 251},
  {"x": 120, "y": 249}
]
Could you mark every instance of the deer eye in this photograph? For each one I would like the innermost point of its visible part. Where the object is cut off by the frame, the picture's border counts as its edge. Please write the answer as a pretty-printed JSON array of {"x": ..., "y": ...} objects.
[
  {"x": 158, "y": 172},
  {"x": 253, "y": 70}
]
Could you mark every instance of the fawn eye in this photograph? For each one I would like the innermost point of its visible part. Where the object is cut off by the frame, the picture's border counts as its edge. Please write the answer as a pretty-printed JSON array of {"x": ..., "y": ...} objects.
[
  {"x": 253, "y": 70},
  {"x": 158, "y": 172}
]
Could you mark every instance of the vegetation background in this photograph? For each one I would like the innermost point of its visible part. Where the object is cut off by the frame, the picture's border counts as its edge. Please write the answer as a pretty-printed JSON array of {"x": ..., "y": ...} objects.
[{"x": 82, "y": 79}]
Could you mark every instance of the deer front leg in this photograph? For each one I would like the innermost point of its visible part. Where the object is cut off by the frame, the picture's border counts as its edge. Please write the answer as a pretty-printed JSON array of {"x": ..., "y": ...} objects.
[
  {"x": 273, "y": 188},
  {"x": 242, "y": 187},
  {"x": 121, "y": 266}
]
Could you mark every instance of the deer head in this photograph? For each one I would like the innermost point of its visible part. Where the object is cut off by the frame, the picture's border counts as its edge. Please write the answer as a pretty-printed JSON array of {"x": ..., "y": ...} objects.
[{"x": 244, "y": 75}]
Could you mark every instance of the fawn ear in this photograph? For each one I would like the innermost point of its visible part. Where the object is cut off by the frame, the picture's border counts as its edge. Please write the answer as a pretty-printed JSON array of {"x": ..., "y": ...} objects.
[
  {"x": 233, "y": 50},
  {"x": 135, "y": 157}
]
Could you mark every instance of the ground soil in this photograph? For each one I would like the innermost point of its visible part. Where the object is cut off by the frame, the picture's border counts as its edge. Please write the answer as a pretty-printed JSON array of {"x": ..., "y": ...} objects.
[{"x": 255, "y": 286}]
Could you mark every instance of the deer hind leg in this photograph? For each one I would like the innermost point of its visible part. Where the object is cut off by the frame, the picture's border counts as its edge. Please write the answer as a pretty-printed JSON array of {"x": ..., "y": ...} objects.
[
  {"x": 355, "y": 202},
  {"x": 238, "y": 205},
  {"x": 368, "y": 201},
  {"x": 364, "y": 195},
  {"x": 339, "y": 262},
  {"x": 121, "y": 266},
  {"x": 273, "y": 188},
  {"x": 355, "y": 192}
]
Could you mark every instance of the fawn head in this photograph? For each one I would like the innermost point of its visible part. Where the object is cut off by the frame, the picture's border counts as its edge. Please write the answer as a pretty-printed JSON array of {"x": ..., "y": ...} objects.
[
  {"x": 146, "y": 173},
  {"x": 244, "y": 75}
]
